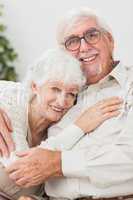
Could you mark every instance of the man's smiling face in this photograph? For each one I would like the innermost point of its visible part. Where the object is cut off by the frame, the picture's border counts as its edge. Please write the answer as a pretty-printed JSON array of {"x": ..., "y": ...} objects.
[{"x": 95, "y": 58}]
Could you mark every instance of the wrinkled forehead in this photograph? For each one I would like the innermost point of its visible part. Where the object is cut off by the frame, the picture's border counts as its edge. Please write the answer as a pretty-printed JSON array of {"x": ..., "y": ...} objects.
[
  {"x": 78, "y": 27},
  {"x": 73, "y": 87}
]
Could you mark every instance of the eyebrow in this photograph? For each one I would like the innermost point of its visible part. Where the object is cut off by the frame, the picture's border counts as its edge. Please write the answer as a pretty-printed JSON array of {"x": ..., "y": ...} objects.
[
  {"x": 90, "y": 29},
  {"x": 69, "y": 37}
]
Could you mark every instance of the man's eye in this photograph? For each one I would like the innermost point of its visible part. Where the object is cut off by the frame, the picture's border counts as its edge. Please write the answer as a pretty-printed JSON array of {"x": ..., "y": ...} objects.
[
  {"x": 73, "y": 40},
  {"x": 92, "y": 35}
]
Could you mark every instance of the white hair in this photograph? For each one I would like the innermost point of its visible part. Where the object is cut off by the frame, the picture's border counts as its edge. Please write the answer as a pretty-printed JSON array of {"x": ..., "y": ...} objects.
[
  {"x": 55, "y": 65},
  {"x": 76, "y": 17}
]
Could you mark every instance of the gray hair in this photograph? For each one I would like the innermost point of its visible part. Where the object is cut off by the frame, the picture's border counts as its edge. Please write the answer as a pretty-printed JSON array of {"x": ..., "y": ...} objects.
[
  {"x": 55, "y": 64},
  {"x": 76, "y": 17}
]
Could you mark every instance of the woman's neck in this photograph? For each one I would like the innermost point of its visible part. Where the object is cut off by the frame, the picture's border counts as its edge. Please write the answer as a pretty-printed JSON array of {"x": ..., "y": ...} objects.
[{"x": 38, "y": 124}]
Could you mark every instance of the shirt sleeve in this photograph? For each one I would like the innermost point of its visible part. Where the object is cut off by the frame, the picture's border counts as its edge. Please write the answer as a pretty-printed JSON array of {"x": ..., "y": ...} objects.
[
  {"x": 104, "y": 165},
  {"x": 66, "y": 139}
]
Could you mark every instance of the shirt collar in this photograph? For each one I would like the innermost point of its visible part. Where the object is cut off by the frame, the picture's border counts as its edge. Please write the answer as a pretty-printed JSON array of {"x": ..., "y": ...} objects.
[{"x": 119, "y": 73}]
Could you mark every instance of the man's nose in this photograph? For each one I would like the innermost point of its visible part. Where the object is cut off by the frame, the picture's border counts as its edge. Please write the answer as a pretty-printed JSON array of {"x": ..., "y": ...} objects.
[{"x": 84, "y": 45}]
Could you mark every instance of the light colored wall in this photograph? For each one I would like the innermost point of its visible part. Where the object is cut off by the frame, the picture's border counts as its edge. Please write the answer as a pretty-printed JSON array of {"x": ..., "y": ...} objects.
[{"x": 32, "y": 24}]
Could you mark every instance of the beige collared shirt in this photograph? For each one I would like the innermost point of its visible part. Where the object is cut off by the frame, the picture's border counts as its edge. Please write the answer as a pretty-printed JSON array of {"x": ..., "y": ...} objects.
[{"x": 98, "y": 164}]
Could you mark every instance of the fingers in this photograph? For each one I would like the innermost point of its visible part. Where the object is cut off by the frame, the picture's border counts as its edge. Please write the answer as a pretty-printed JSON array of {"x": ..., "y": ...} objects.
[
  {"x": 19, "y": 178},
  {"x": 13, "y": 167},
  {"x": 6, "y": 120},
  {"x": 6, "y": 140},
  {"x": 26, "y": 153},
  {"x": 3, "y": 147},
  {"x": 25, "y": 198},
  {"x": 111, "y": 108},
  {"x": 22, "y": 153},
  {"x": 22, "y": 182},
  {"x": 109, "y": 115},
  {"x": 109, "y": 105},
  {"x": 110, "y": 102},
  {"x": 16, "y": 175}
]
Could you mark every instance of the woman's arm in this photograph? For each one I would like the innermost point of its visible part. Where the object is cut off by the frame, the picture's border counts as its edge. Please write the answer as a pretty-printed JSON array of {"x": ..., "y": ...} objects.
[
  {"x": 6, "y": 140},
  {"x": 88, "y": 121}
]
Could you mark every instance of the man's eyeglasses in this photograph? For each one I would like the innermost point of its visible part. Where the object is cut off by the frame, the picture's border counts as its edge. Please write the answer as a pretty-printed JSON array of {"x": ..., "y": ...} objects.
[{"x": 91, "y": 36}]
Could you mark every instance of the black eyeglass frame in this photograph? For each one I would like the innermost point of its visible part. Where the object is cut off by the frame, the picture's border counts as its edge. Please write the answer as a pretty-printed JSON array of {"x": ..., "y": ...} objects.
[{"x": 100, "y": 31}]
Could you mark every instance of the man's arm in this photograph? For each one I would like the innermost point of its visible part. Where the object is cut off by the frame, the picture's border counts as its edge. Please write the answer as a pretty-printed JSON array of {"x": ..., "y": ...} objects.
[
  {"x": 104, "y": 165},
  {"x": 65, "y": 139},
  {"x": 88, "y": 121},
  {"x": 107, "y": 165},
  {"x": 44, "y": 164},
  {"x": 35, "y": 166}
]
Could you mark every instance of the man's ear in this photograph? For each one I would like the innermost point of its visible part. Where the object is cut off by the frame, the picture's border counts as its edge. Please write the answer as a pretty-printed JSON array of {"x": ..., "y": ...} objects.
[{"x": 111, "y": 41}]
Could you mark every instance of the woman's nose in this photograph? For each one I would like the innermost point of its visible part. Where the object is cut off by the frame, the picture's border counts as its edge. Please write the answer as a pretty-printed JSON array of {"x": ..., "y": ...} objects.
[{"x": 62, "y": 100}]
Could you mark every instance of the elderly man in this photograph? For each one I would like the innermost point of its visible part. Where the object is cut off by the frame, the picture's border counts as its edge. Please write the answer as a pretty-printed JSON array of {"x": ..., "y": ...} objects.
[{"x": 99, "y": 164}]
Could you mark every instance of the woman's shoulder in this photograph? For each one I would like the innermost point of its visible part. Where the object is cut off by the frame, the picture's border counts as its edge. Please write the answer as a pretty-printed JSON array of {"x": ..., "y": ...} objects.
[
  {"x": 10, "y": 86},
  {"x": 13, "y": 99},
  {"x": 13, "y": 95}
]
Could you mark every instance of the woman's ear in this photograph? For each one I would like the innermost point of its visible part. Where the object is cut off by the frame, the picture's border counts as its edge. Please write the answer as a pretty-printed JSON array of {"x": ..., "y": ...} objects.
[
  {"x": 35, "y": 90},
  {"x": 34, "y": 87}
]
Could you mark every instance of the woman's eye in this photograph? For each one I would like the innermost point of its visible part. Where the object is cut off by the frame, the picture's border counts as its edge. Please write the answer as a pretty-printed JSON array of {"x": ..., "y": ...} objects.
[
  {"x": 55, "y": 89},
  {"x": 72, "y": 95}
]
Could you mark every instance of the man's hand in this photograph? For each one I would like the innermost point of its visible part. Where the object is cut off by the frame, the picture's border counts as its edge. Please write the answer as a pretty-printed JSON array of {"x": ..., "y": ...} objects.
[
  {"x": 6, "y": 141},
  {"x": 35, "y": 166},
  {"x": 25, "y": 198}
]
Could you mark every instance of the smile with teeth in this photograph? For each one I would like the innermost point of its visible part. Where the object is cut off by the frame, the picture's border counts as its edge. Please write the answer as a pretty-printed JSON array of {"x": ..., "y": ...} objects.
[
  {"x": 57, "y": 109},
  {"x": 89, "y": 58}
]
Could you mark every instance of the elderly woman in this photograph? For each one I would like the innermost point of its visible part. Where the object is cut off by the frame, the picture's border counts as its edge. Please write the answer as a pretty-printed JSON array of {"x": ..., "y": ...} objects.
[{"x": 49, "y": 91}]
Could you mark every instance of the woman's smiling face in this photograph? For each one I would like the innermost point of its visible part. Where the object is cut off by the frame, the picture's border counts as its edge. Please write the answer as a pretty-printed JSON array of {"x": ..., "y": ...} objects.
[{"x": 55, "y": 98}]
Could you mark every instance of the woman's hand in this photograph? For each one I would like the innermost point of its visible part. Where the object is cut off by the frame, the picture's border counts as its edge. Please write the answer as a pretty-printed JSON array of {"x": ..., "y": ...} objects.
[
  {"x": 97, "y": 114},
  {"x": 6, "y": 141}
]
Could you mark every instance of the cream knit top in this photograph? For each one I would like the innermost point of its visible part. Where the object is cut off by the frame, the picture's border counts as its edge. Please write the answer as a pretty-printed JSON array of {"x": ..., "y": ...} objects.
[{"x": 14, "y": 101}]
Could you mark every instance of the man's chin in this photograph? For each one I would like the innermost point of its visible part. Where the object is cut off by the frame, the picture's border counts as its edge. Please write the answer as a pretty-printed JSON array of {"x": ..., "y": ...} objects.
[
  {"x": 93, "y": 79},
  {"x": 92, "y": 70}
]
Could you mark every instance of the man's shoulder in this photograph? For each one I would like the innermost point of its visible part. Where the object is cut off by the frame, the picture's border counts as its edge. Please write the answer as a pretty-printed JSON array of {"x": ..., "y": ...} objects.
[
  {"x": 129, "y": 68},
  {"x": 129, "y": 72}
]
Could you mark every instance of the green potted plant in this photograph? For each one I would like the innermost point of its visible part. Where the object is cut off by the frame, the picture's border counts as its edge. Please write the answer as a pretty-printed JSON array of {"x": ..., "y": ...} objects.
[{"x": 7, "y": 55}]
